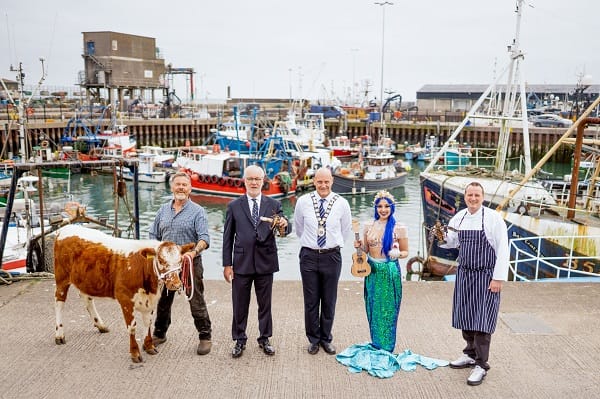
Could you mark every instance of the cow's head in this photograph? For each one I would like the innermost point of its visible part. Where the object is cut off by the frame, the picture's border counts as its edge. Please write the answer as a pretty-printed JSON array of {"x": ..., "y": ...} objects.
[{"x": 167, "y": 263}]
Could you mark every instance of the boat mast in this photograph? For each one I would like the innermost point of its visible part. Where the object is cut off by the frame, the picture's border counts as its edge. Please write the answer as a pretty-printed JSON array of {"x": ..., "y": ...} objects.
[
  {"x": 514, "y": 93},
  {"x": 22, "y": 105}
]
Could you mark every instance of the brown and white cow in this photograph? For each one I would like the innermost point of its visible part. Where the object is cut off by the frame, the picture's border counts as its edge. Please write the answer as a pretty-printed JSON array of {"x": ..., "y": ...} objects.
[{"x": 131, "y": 271}]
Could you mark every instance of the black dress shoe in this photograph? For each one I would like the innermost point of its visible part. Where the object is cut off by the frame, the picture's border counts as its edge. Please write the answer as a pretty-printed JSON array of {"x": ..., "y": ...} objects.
[
  {"x": 313, "y": 349},
  {"x": 328, "y": 347},
  {"x": 238, "y": 350},
  {"x": 267, "y": 347}
]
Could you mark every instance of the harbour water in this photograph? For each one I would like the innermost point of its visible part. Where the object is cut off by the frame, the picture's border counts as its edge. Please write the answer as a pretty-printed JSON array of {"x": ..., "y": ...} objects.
[{"x": 96, "y": 193}]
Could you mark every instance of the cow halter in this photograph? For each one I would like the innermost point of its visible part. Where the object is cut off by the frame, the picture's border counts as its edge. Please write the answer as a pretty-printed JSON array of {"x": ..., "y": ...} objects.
[{"x": 162, "y": 276}]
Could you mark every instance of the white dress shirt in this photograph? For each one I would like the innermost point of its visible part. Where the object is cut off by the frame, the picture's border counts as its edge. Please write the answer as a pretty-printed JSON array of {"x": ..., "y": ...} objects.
[
  {"x": 251, "y": 203},
  {"x": 338, "y": 226},
  {"x": 495, "y": 232}
]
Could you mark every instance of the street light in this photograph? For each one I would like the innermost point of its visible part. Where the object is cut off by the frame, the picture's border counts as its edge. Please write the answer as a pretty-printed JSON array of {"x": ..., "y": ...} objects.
[{"x": 382, "y": 4}]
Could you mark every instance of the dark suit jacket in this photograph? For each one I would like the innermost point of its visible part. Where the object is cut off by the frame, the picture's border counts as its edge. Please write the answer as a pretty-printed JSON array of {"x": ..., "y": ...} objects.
[{"x": 247, "y": 250}]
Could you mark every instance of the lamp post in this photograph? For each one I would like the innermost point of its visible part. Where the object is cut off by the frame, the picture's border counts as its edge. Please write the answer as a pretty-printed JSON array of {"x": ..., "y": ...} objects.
[{"x": 382, "y": 4}]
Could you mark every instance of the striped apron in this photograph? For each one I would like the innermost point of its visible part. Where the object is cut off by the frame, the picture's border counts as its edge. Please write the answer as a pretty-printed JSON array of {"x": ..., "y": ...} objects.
[{"x": 475, "y": 307}]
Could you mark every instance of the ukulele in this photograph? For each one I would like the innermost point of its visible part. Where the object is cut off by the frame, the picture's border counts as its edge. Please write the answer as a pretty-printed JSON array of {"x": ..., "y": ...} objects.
[{"x": 360, "y": 266}]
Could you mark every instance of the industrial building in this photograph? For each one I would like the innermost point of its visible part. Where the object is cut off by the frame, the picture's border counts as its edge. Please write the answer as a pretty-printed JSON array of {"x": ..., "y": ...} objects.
[{"x": 461, "y": 97}]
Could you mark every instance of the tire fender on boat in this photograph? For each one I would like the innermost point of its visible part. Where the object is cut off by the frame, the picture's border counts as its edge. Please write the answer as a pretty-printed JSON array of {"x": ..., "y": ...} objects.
[
  {"x": 238, "y": 182},
  {"x": 522, "y": 209},
  {"x": 416, "y": 265},
  {"x": 229, "y": 182},
  {"x": 221, "y": 181},
  {"x": 214, "y": 179}
]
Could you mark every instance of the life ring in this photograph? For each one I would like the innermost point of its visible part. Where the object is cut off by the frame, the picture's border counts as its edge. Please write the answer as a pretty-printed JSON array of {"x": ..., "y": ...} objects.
[
  {"x": 238, "y": 182},
  {"x": 522, "y": 210},
  {"x": 214, "y": 178},
  {"x": 221, "y": 181},
  {"x": 418, "y": 268},
  {"x": 229, "y": 182},
  {"x": 30, "y": 111},
  {"x": 44, "y": 144}
]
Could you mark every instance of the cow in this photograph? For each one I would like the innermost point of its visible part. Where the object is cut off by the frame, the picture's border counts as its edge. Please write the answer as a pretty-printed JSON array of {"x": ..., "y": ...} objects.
[{"x": 131, "y": 271}]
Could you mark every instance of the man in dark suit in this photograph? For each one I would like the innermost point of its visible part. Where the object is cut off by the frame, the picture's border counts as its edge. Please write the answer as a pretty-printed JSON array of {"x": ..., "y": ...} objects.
[{"x": 250, "y": 256}]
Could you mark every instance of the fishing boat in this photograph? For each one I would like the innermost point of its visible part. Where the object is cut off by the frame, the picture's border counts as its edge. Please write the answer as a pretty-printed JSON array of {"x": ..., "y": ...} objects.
[
  {"x": 162, "y": 157},
  {"x": 220, "y": 173},
  {"x": 456, "y": 155},
  {"x": 529, "y": 209},
  {"x": 96, "y": 143},
  {"x": 342, "y": 148},
  {"x": 24, "y": 222},
  {"x": 147, "y": 173},
  {"x": 309, "y": 131},
  {"x": 379, "y": 170},
  {"x": 414, "y": 152}
]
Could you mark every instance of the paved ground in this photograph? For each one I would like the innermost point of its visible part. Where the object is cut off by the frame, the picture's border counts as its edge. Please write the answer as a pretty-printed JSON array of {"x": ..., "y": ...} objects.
[{"x": 546, "y": 345}]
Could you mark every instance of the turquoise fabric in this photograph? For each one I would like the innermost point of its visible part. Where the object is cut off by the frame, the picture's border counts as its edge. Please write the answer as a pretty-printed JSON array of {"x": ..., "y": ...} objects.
[
  {"x": 383, "y": 296},
  {"x": 383, "y": 364}
]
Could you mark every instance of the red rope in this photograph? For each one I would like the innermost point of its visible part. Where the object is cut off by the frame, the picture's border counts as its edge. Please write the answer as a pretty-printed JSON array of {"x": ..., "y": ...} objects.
[{"x": 187, "y": 276}]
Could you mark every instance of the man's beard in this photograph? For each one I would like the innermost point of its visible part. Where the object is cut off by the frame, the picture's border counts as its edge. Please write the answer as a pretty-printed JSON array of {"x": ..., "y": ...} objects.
[{"x": 180, "y": 196}]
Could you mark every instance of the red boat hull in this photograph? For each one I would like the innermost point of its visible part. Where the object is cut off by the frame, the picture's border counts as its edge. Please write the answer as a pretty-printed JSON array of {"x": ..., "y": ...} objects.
[{"x": 234, "y": 187}]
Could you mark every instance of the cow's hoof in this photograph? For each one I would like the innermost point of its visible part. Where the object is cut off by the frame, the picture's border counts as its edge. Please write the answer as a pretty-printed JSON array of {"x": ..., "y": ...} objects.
[
  {"x": 103, "y": 329},
  {"x": 151, "y": 351},
  {"x": 137, "y": 359},
  {"x": 60, "y": 340}
]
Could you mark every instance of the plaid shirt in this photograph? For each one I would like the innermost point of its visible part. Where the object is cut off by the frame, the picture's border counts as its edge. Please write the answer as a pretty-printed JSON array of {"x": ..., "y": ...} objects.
[{"x": 189, "y": 225}]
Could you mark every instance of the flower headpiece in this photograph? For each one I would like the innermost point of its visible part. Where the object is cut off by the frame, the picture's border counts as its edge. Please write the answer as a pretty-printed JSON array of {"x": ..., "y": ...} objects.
[{"x": 383, "y": 194}]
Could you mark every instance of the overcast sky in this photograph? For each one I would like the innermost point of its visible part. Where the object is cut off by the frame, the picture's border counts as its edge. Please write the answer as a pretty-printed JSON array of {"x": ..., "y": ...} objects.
[{"x": 316, "y": 49}]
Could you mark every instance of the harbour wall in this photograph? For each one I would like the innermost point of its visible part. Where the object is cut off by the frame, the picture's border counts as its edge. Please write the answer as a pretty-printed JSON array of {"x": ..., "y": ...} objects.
[{"x": 176, "y": 132}]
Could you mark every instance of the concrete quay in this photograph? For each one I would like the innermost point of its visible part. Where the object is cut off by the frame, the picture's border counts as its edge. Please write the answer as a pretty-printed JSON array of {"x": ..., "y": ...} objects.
[{"x": 547, "y": 345}]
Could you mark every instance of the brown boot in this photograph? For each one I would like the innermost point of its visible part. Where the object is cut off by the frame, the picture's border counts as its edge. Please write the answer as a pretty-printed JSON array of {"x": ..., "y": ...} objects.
[{"x": 204, "y": 347}]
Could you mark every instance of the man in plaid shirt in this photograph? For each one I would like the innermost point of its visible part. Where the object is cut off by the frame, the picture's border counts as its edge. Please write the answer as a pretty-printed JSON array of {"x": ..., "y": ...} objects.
[{"x": 182, "y": 221}]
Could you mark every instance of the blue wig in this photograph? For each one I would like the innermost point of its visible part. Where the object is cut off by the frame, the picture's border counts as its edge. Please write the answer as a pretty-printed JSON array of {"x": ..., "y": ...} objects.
[{"x": 388, "y": 235}]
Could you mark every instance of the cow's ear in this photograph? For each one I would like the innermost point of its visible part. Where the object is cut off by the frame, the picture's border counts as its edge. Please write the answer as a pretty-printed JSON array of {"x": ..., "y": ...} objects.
[
  {"x": 187, "y": 247},
  {"x": 148, "y": 252}
]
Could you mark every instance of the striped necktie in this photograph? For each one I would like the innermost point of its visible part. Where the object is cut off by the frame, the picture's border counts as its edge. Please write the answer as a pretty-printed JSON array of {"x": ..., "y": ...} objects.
[
  {"x": 321, "y": 239},
  {"x": 255, "y": 212}
]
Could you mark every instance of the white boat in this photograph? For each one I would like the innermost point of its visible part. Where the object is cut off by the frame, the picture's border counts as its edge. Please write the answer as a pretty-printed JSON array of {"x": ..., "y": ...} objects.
[
  {"x": 162, "y": 157},
  {"x": 146, "y": 170},
  {"x": 309, "y": 132},
  {"x": 529, "y": 209},
  {"x": 379, "y": 170},
  {"x": 23, "y": 224}
]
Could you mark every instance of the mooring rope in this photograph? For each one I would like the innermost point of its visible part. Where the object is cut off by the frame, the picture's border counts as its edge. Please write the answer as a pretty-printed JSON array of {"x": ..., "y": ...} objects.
[{"x": 8, "y": 278}]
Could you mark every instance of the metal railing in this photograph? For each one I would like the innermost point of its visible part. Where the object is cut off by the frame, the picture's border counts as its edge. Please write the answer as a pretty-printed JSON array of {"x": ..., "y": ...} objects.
[{"x": 561, "y": 267}]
